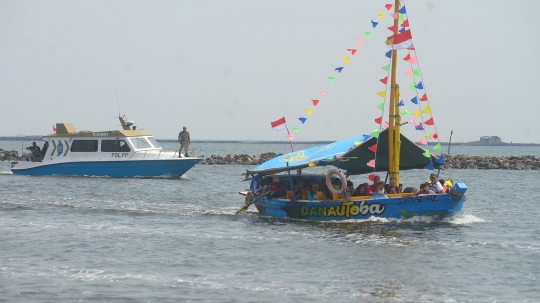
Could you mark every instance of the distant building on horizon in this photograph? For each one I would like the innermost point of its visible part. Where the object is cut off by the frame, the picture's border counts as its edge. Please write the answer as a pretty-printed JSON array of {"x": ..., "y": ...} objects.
[{"x": 490, "y": 140}]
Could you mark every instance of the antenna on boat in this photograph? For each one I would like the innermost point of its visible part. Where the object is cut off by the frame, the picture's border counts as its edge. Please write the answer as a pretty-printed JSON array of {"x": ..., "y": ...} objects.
[
  {"x": 117, "y": 102},
  {"x": 450, "y": 141}
]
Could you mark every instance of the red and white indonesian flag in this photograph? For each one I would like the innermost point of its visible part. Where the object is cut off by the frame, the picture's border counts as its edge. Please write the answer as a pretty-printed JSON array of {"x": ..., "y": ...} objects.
[
  {"x": 400, "y": 41},
  {"x": 279, "y": 125}
]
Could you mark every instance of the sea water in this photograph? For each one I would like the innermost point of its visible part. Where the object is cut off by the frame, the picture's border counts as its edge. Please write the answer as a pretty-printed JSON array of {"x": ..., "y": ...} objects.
[{"x": 84, "y": 239}]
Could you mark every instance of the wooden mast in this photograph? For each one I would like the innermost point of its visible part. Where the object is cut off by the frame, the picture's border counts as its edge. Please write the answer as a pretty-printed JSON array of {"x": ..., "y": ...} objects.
[{"x": 393, "y": 130}]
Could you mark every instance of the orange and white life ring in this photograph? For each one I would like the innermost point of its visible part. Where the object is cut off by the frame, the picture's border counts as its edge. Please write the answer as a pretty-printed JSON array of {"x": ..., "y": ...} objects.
[{"x": 329, "y": 174}]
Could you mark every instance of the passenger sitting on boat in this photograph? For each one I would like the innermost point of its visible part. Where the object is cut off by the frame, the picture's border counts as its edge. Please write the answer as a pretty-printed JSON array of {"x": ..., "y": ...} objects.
[
  {"x": 44, "y": 149},
  {"x": 410, "y": 189},
  {"x": 350, "y": 188},
  {"x": 434, "y": 185},
  {"x": 361, "y": 190},
  {"x": 299, "y": 191},
  {"x": 392, "y": 188},
  {"x": 312, "y": 194},
  {"x": 373, "y": 187},
  {"x": 424, "y": 190},
  {"x": 298, "y": 179},
  {"x": 444, "y": 188},
  {"x": 275, "y": 188},
  {"x": 380, "y": 189},
  {"x": 36, "y": 155},
  {"x": 327, "y": 195}
]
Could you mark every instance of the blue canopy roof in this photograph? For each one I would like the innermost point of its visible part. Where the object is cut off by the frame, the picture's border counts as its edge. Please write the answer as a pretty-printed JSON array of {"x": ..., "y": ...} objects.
[{"x": 319, "y": 155}]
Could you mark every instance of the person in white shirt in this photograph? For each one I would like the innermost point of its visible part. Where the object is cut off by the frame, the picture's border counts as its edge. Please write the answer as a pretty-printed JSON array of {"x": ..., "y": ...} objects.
[{"x": 435, "y": 185}]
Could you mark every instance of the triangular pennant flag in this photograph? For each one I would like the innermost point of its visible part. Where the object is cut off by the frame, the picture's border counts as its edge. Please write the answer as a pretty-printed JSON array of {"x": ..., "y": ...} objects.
[
  {"x": 414, "y": 100},
  {"x": 331, "y": 78},
  {"x": 417, "y": 113},
  {"x": 416, "y": 73},
  {"x": 367, "y": 33},
  {"x": 371, "y": 177},
  {"x": 409, "y": 72},
  {"x": 402, "y": 10},
  {"x": 402, "y": 30},
  {"x": 352, "y": 50},
  {"x": 315, "y": 102},
  {"x": 302, "y": 119},
  {"x": 392, "y": 28},
  {"x": 411, "y": 47},
  {"x": 345, "y": 59},
  {"x": 388, "y": 6},
  {"x": 419, "y": 127},
  {"x": 412, "y": 60},
  {"x": 389, "y": 54},
  {"x": 423, "y": 141},
  {"x": 373, "y": 148},
  {"x": 380, "y": 106},
  {"x": 360, "y": 41},
  {"x": 339, "y": 69},
  {"x": 296, "y": 129},
  {"x": 429, "y": 166},
  {"x": 437, "y": 146},
  {"x": 429, "y": 121},
  {"x": 382, "y": 94},
  {"x": 356, "y": 143},
  {"x": 384, "y": 80},
  {"x": 378, "y": 120},
  {"x": 322, "y": 92},
  {"x": 412, "y": 121},
  {"x": 440, "y": 160},
  {"x": 311, "y": 164},
  {"x": 427, "y": 154},
  {"x": 330, "y": 159},
  {"x": 426, "y": 110},
  {"x": 423, "y": 98},
  {"x": 290, "y": 137},
  {"x": 407, "y": 58},
  {"x": 427, "y": 134},
  {"x": 374, "y": 24},
  {"x": 412, "y": 86},
  {"x": 308, "y": 110},
  {"x": 401, "y": 103},
  {"x": 386, "y": 68},
  {"x": 400, "y": 18},
  {"x": 405, "y": 24},
  {"x": 381, "y": 15},
  {"x": 419, "y": 85},
  {"x": 394, "y": 15},
  {"x": 371, "y": 163},
  {"x": 405, "y": 113},
  {"x": 435, "y": 135},
  {"x": 350, "y": 148},
  {"x": 386, "y": 125},
  {"x": 366, "y": 136},
  {"x": 375, "y": 133}
]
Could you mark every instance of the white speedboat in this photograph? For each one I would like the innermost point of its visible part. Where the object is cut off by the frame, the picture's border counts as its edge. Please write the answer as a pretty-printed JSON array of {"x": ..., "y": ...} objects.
[{"x": 128, "y": 152}]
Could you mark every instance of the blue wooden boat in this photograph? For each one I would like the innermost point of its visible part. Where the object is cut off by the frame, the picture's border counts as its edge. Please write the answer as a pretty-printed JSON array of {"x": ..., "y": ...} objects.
[{"x": 352, "y": 156}]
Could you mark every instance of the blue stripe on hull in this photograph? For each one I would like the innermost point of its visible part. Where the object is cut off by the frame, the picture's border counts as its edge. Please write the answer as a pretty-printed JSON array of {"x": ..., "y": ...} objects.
[
  {"x": 143, "y": 168},
  {"x": 399, "y": 207}
]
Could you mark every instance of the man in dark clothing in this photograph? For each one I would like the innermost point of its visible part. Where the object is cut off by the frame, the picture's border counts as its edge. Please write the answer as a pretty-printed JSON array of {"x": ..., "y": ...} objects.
[
  {"x": 183, "y": 138},
  {"x": 44, "y": 149},
  {"x": 31, "y": 148}
]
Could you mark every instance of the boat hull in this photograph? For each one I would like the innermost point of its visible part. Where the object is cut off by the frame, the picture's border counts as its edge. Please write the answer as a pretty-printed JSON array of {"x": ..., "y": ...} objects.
[
  {"x": 442, "y": 205},
  {"x": 118, "y": 169}
]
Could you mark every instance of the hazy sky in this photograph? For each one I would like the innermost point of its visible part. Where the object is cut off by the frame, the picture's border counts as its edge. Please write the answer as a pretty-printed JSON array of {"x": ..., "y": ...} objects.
[{"x": 226, "y": 69}]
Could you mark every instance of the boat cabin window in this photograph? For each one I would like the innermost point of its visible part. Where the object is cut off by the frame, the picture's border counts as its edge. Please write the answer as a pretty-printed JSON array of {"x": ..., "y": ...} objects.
[
  {"x": 114, "y": 146},
  {"x": 139, "y": 143},
  {"x": 154, "y": 142},
  {"x": 84, "y": 146}
]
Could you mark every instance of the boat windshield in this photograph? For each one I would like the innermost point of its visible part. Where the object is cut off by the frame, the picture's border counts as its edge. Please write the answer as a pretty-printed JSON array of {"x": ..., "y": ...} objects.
[
  {"x": 140, "y": 143},
  {"x": 154, "y": 142}
]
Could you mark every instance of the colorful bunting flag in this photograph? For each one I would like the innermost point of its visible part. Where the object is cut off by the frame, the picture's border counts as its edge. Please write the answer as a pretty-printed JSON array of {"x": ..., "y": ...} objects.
[
  {"x": 440, "y": 160},
  {"x": 405, "y": 113},
  {"x": 437, "y": 146},
  {"x": 345, "y": 59},
  {"x": 419, "y": 127},
  {"x": 302, "y": 119},
  {"x": 409, "y": 72},
  {"x": 381, "y": 15},
  {"x": 352, "y": 50},
  {"x": 423, "y": 141},
  {"x": 339, "y": 69},
  {"x": 374, "y": 24},
  {"x": 381, "y": 106},
  {"x": 407, "y": 58},
  {"x": 419, "y": 85},
  {"x": 400, "y": 18},
  {"x": 414, "y": 100},
  {"x": 392, "y": 28},
  {"x": 311, "y": 164},
  {"x": 296, "y": 129},
  {"x": 331, "y": 78},
  {"x": 429, "y": 166},
  {"x": 394, "y": 15},
  {"x": 322, "y": 92},
  {"x": 356, "y": 143},
  {"x": 427, "y": 134},
  {"x": 426, "y": 110},
  {"x": 386, "y": 125},
  {"x": 360, "y": 41},
  {"x": 405, "y": 24},
  {"x": 412, "y": 60},
  {"x": 389, "y": 54},
  {"x": 416, "y": 73},
  {"x": 388, "y": 6},
  {"x": 375, "y": 133},
  {"x": 429, "y": 121},
  {"x": 382, "y": 94},
  {"x": 371, "y": 177},
  {"x": 290, "y": 137},
  {"x": 424, "y": 98},
  {"x": 378, "y": 120},
  {"x": 417, "y": 113},
  {"x": 402, "y": 10},
  {"x": 315, "y": 102},
  {"x": 427, "y": 154},
  {"x": 412, "y": 86},
  {"x": 308, "y": 110},
  {"x": 412, "y": 121},
  {"x": 373, "y": 148},
  {"x": 435, "y": 135},
  {"x": 384, "y": 80},
  {"x": 401, "y": 103},
  {"x": 402, "y": 30},
  {"x": 367, "y": 33},
  {"x": 386, "y": 67},
  {"x": 371, "y": 163}
]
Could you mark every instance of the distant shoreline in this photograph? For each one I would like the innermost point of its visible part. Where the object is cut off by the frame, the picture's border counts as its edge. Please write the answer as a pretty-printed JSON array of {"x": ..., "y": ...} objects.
[{"x": 475, "y": 143}]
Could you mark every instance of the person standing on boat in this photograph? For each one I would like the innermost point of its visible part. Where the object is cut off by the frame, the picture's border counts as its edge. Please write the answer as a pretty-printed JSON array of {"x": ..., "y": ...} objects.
[
  {"x": 183, "y": 138},
  {"x": 31, "y": 148}
]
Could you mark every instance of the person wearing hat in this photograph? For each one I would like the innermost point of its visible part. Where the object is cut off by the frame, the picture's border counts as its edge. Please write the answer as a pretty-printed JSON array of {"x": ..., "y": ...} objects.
[
  {"x": 183, "y": 138},
  {"x": 434, "y": 184}
]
